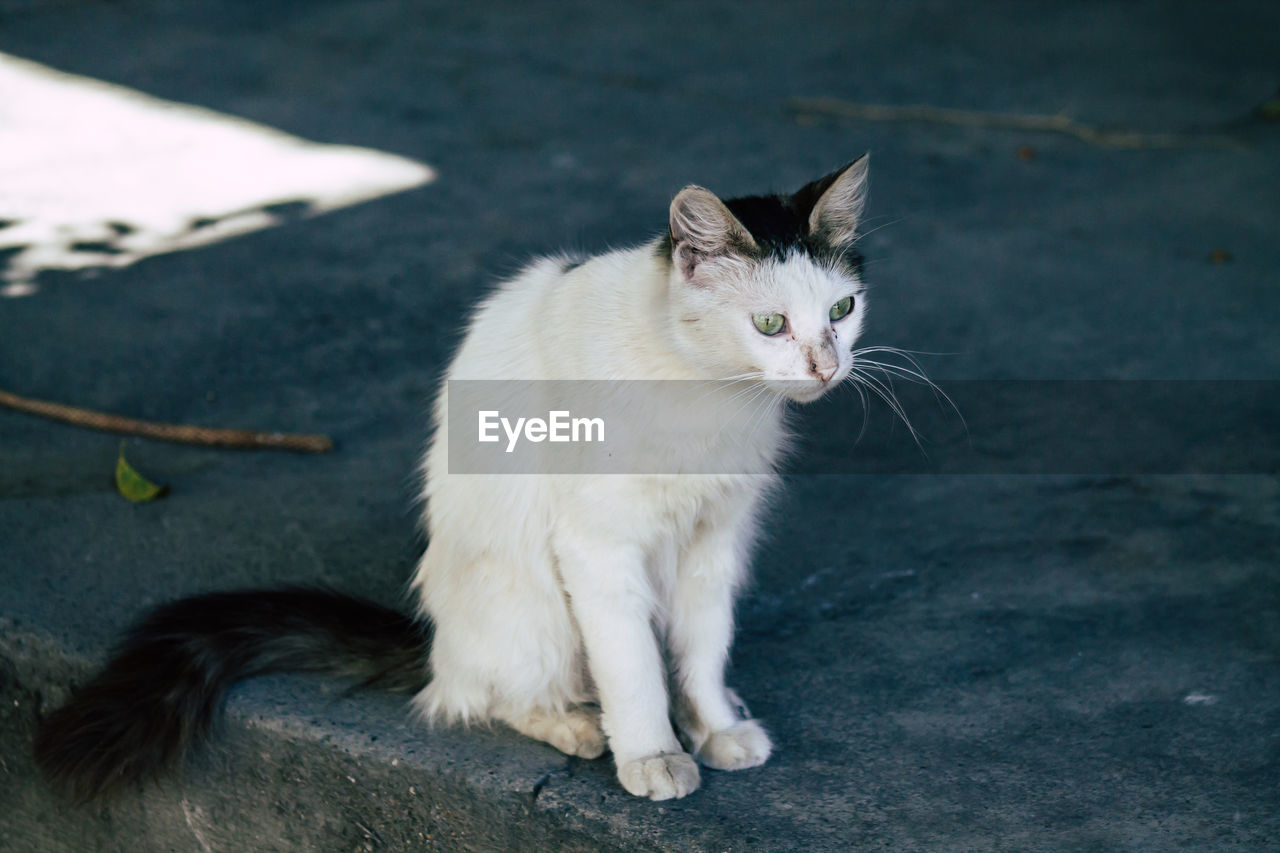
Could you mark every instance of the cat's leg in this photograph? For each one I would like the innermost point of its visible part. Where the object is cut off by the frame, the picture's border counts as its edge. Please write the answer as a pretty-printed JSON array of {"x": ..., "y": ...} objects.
[
  {"x": 575, "y": 731},
  {"x": 504, "y": 647},
  {"x": 612, "y": 602},
  {"x": 711, "y": 716}
]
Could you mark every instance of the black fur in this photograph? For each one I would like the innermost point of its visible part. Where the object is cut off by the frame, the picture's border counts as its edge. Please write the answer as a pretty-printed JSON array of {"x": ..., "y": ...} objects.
[
  {"x": 163, "y": 688},
  {"x": 780, "y": 225}
]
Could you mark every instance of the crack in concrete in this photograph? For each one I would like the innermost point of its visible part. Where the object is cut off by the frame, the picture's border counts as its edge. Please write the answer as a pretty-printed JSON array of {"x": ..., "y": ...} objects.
[{"x": 541, "y": 781}]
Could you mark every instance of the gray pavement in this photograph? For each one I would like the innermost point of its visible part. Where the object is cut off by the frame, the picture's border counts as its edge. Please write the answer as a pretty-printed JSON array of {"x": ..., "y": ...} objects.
[{"x": 945, "y": 662}]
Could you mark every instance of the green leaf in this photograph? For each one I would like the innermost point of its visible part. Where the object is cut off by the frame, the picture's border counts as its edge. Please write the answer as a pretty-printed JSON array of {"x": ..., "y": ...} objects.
[{"x": 133, "y": 485}]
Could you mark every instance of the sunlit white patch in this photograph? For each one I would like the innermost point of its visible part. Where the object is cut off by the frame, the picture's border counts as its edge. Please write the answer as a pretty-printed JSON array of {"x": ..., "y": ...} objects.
[
  {"x": 98, "y": 175},
  {"x": 18, "y": 288}
]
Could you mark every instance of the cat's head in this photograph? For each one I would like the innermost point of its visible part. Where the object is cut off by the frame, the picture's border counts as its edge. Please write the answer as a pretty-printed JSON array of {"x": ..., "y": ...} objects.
[{"x": 770, "y": 286}]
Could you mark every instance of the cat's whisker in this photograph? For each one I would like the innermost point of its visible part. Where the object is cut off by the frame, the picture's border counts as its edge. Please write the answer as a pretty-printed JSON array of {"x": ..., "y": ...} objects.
[
  {"x": 751, "y": 374},
  {"x": 749, "y": 393},
  {"x": 898, "y": 371},
  {"x": 906, "y": 355},
  {"x": 744, "y": 392},
  {"x": 862, "y": 396},
  {"x": 764, "y": 412},
  {"x": 762, "y": 392},
  {"x": 898, "y": 351},
  {"x": 758, "y": 390},
  {"x": 862, "y": 235},
  {"x": 752, "y": 414},
  {"x": 721, "y": 383},
  {"x": 883, "y": 218},
  {"x": 886, "y": 394},
  {"x": 917, "y": 375}
]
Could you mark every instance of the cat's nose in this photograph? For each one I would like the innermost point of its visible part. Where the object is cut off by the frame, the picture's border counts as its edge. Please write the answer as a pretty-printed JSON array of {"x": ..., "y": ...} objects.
[
  {"x": 824, "y": 373},
  {"x": 823, "y": 360}
]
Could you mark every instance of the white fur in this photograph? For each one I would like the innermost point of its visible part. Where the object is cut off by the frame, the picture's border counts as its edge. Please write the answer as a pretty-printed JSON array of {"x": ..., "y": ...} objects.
[{"x": 551, "y": 594}]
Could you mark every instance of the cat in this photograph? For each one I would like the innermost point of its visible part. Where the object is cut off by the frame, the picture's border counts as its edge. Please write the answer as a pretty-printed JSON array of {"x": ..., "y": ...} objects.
[{"x": 589, "y": 612}]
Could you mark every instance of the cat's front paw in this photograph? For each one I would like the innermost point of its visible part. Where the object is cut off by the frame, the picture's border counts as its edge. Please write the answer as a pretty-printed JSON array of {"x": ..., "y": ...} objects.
[
  {"x": 670, "y": 775},
  {"x": 742, "y": 745}
]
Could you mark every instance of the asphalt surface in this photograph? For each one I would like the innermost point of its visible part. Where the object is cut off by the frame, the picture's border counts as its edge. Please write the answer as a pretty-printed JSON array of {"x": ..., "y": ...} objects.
[{"x": 945, "y": 662}]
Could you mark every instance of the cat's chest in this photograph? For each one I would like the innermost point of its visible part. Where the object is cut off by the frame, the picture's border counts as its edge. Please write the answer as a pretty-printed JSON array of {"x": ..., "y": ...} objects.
[{"x": 678, "y": 509}]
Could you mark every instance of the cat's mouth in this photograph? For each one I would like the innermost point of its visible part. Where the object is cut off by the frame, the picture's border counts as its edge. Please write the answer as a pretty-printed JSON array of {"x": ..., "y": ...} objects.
[{"x": 801, "y": 390}]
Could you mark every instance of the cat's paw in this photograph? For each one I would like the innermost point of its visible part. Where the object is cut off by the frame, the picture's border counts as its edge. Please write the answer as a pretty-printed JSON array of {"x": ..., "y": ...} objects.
[
  {"x": 666, "y": 776},
  {"x": 574, "y": 732},
  {"x": 579, "y": 734},
  {"x": 742, "y": 745}
]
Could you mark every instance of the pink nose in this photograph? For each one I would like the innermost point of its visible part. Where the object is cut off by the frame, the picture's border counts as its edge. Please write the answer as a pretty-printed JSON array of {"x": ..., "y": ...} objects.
[{"x": 824, "y": 374}]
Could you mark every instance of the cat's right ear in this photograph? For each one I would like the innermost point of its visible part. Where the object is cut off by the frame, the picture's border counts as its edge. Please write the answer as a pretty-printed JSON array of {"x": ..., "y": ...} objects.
[{"x": 703, "y": 229}]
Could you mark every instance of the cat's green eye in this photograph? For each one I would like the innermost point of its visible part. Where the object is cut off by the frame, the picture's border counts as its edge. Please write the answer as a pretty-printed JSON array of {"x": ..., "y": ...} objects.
[
  {"x": 841, "y": 308},
  {"x": 769, "y": 324}
]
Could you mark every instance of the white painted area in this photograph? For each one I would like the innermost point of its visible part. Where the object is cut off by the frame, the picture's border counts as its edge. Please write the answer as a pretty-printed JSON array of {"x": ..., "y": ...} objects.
[
  {"x": 1200, "y": 699},
  {"x": 78, "y": 154}
]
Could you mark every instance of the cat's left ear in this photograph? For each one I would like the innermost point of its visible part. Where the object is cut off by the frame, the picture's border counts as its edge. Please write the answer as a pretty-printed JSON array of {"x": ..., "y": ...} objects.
[{"x": 837, "y": 200}]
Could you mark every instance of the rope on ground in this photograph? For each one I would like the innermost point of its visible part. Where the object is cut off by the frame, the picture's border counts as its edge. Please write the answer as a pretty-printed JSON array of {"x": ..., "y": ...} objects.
[
  {"x": 1089, "y": 133},
  {"x": 242, "y": 439}
]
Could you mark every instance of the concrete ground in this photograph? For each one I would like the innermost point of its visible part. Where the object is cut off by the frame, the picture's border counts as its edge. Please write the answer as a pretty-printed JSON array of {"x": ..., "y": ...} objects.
[{"x": 945, "y": 662}]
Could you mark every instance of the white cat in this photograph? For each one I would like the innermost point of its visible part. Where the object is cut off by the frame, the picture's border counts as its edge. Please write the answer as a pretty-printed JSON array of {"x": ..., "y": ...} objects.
[
  {"x": 574, "y": 587},
  {"x": 582, "y": 610}
]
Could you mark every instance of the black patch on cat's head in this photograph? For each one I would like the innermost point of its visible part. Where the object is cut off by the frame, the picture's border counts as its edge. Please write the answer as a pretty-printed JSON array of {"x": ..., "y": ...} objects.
[
  {"x": 780, "y": 226},
  {"x": 666, "y": 246}
]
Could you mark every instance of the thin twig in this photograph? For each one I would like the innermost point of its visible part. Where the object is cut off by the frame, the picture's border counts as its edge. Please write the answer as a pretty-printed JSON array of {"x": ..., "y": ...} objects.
[
  {"x": 180, "y": 433},
  {"x": 1092, "y": 134}
]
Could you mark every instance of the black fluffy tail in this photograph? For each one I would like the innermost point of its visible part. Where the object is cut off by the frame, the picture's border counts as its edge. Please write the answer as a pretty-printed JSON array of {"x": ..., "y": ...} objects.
[{"x": 164, "y": 687}]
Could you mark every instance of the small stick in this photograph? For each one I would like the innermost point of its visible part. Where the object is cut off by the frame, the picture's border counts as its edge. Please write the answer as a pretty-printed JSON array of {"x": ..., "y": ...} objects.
[
  {"x": 1004, "y": 121},
  {"x": 180, "y": 433}
]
